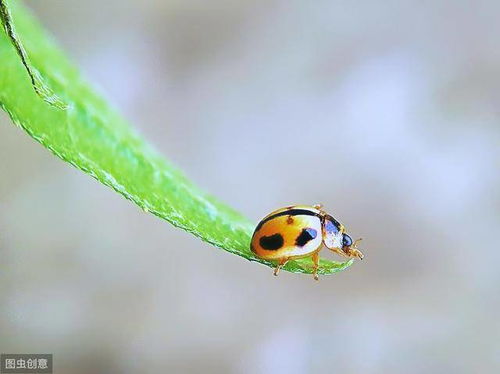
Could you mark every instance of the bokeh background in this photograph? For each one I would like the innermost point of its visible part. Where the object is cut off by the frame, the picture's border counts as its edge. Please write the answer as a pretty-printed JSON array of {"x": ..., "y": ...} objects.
[{"x": 387, "y": 112}]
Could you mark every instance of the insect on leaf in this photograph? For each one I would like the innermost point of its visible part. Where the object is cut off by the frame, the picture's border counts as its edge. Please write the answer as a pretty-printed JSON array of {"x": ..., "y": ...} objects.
[{"x": 90, "y": 135}]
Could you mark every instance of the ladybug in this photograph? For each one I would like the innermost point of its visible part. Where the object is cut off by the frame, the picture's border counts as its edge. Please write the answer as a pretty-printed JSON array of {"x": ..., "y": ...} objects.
[{"x": 301, "y": 231}]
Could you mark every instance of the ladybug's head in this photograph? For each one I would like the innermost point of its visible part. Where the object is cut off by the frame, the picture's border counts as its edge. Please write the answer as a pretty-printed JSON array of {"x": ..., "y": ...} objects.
[
  {"x": 350, "y": 248},
  {"x": 346, "y": 241}
]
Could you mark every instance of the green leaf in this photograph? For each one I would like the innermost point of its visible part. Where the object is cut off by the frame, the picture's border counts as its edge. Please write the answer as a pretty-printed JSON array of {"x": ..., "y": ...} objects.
[
  {"x": 93, "y": 137},
  {"x": 37, "y": 82}
]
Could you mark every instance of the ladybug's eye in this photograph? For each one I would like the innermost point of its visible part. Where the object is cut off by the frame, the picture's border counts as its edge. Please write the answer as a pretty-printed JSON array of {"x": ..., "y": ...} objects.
[{"x": 346, "y": 240}]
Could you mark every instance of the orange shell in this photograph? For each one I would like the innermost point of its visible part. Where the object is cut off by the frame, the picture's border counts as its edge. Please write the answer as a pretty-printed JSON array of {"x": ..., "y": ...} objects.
[{"x": 294, "y": 235}]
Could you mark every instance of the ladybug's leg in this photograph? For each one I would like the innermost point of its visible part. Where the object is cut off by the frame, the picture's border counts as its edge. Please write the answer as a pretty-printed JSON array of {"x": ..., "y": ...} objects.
[
  {"x": 281, "y": 263},
  {"x": 339, "y": 251},
  {"x": 352, "y": 251},
  {"x": 315, "y": 258}
]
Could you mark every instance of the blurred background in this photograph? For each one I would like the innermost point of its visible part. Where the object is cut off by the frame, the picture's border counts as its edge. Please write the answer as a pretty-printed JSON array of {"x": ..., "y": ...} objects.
[{"x": 387, "y": 112}]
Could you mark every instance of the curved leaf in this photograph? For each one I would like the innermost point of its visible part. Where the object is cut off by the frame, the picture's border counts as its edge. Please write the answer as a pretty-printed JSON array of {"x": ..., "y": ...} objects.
[{"x": 94, "y": 138}]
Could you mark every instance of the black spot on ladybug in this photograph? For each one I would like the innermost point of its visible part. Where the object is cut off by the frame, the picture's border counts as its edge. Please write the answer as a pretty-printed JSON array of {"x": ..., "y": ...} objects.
[
  {"x": 306, "y": 236},
  {"x": 271, "y": 243},
  {"x": 289, "y": 220}
]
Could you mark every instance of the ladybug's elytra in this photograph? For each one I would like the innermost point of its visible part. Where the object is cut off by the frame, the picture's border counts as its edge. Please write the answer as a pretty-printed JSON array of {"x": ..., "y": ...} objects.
[{"x": 300, "y": 231}]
